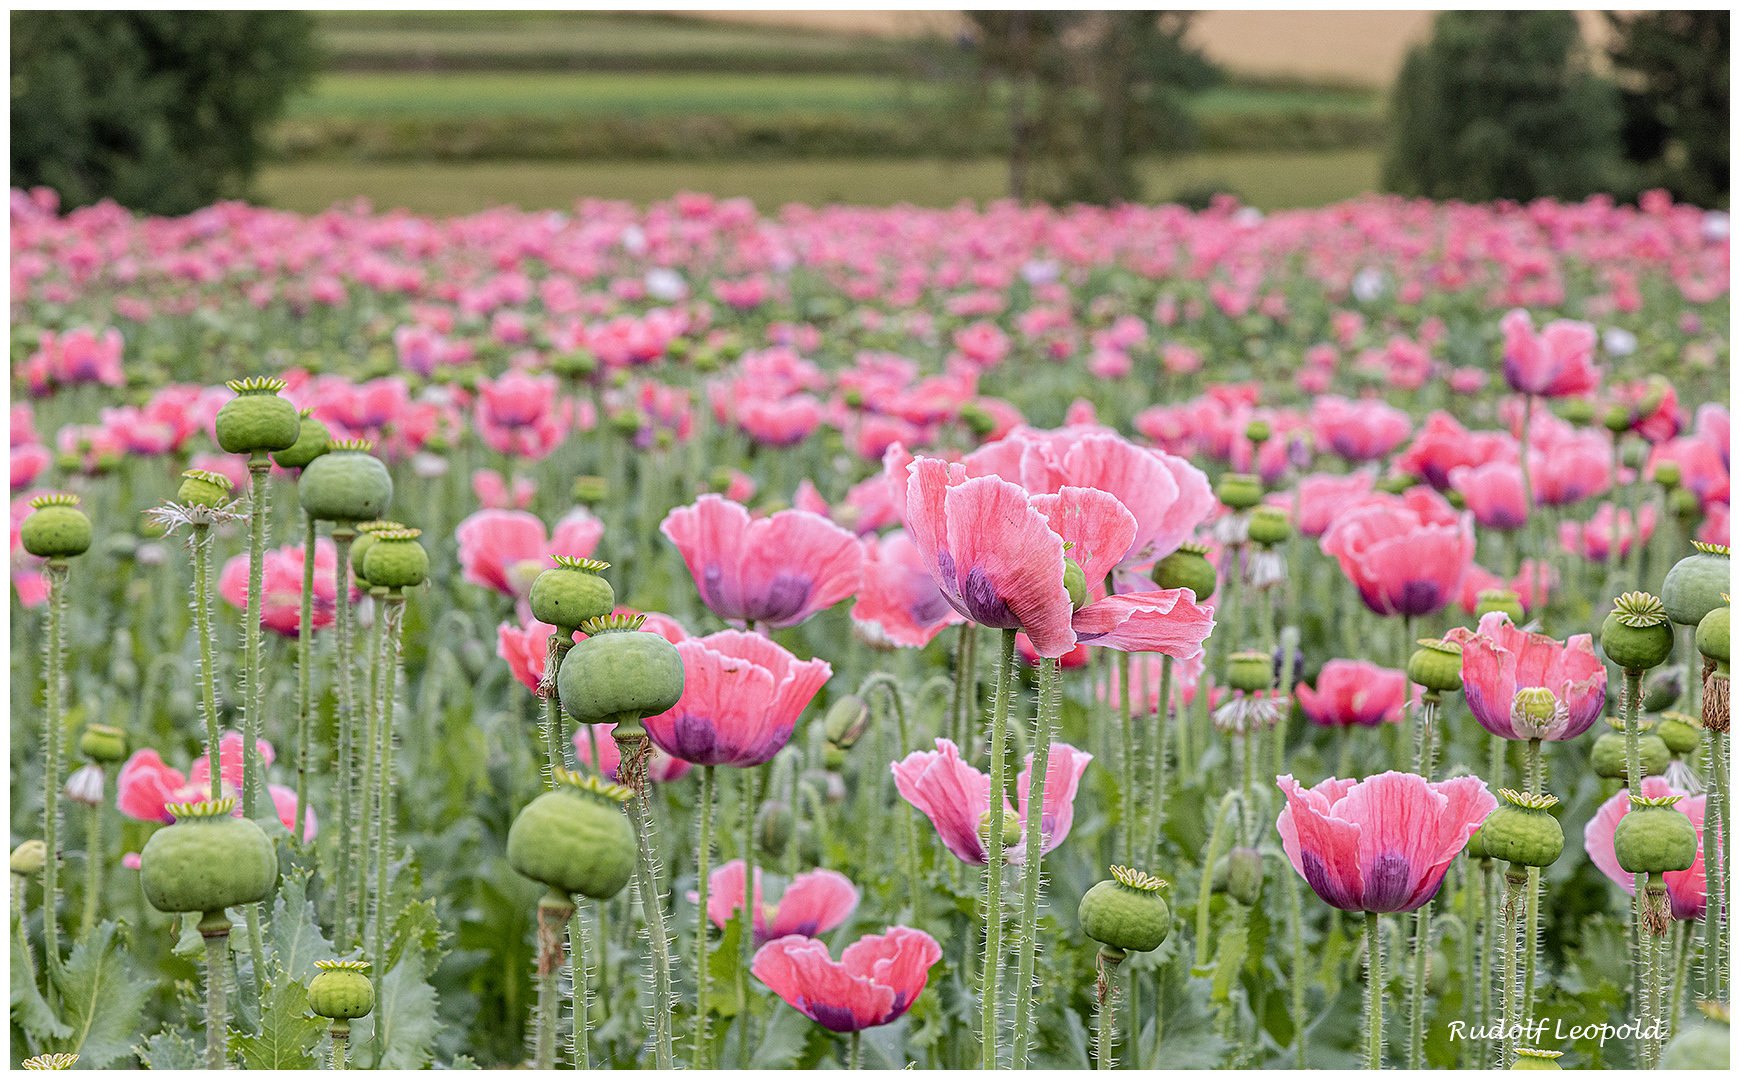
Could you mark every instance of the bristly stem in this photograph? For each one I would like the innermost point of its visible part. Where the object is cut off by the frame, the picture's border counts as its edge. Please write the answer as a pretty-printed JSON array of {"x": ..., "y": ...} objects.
[
  {"x": 304, "y": 677},
  {"x": 57, "y": 575},
  {"x": 1051, "y": 689},
  {"x": 634, "y": 750},
  {"x": 561, "y": 640},
  {"x": 394, "y": 617},
  {"x": 1417, "y": 988},
  {"x": 1158, "y": 766},
  {"x": 200, "y": 541},
  {"x": 990, "y": 1003},
  {"x": 746, "y": 939},
  {"x": 217, "y": 1021},
  {"x": 1633, "y": 697},
  {"x": 578, "y": 951},
  {"x": 1296, "y": 971},
  {"x": 1105, "y": 994},
  {"x": 960, "y": 710},
  {"x": 890, "y": 687},
  {"x": 1491, "y": 940},
  {"x": 1216, "y": 840},
  {"x": 1511, "y": 944},
  {"x": 703, "y": 856},
  {"x": 1128, "y": 804},
  {"x": 372, "y": 647},
  {"x": 1374, "y": 992},
  {"x": 254, "y": 681},
  {"x": 346, "y": 766}
]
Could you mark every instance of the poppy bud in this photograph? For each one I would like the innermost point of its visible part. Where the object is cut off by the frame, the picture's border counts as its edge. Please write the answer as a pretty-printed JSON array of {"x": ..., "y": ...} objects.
[
  {"x": 56, "y": 527},
  {"x": 1186, "y": 568},
  {"x": 397, "y": 560},
  {"x": 625, "y": 422},
  {"x": 1636, "y": 636},
  {"x": 1618, "y": 419},
  {"x": 1694, "y": 586},
  {"x": 575, "y": 839},
  {"x": 1667, "y": 474},
  {"x": 1684, "y": 504},
  {"x": 1712, "y": 637},
  {"x": 312, "y": 439},
  {"x": 1240, "y": 491},
  {"x": 341, "y": 990},
  {"x": 1527, "y": 1057},
  {"x": 1679, "y": 731},
  {"x": 28, "y": 857},
  {"x": 1258, "y": 431},
  {"x": 85, "y": 785},
  {"x": 1244, "y": 875},
  {"x": 571, "y": 593},
  {"x": 1250, "y": 670},
  {"x": 1634, "y": 454},
  {"x": 846, "y": 720},
  {"x": 590, "y": 489},
  {"x": 257, "y": 420},
  {"x": 1126, "y": 912},
  {"x": 201, "y": 488},
  {"x": 578, "y": 364},
  {"x": 1269, "y": 525},
  {"x": 1608, "y": 756},
  {"x": 1521, "y": 831},
  {"x": 102, "y": 743},
  {"x": 1577, "y": 411},
  {"x": 1436, "y": 665},
  {"x": 773, "y": 826},
  {"x": 1075, "y": 582},
  {"x": 1661, "y": 689},
  {"x": 345, "y": 484},
  {"x": 1011, "y": 828},
  {"x": 207, "y": 861},
  {"x": 1490, "y": 600}
]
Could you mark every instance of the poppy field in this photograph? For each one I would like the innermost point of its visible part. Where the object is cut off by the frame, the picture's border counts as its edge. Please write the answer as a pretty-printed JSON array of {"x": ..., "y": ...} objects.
[{"x": 849, "y": 637}]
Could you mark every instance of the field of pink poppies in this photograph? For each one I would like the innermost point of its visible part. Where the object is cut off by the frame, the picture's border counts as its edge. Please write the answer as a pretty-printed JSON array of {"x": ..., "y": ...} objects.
[{"x": 996, "y": 637}]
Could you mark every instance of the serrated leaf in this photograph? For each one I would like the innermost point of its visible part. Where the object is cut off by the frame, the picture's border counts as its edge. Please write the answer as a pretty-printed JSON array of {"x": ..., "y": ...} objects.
[
  {"x": 723, "y": 965},
  {"x": 783, "y": 1040},
  {"x": 463, "y": 1061},
  {"x": 102, "y": 995},
  {"x": 1230, "y": 953},
  {"x": 405, "y": 1021},
  {"x": 416, "y": 924},
  {"x": 294, "y": 939},
  {"x": 169, "y": 1050},
  {"x": 29, "y": 1011},
  {"x": 287, "y": 1035}
]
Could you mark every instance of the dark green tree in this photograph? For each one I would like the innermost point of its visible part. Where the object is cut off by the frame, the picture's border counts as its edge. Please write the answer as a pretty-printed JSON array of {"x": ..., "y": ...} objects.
[
  {"x": 1673, "y": 75},
  {"x": 1089, "y": 91},
  {"x": 162, "y": 111},
  {"x": 1502, "y": 104}
]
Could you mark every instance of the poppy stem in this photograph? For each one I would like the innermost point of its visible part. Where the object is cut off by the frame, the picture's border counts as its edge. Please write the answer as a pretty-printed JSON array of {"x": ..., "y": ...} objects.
[
  {"x": 304, "y": 675},
  {"x": 990, "y": 1002},
  {"x": 342, "y": 535},
  {"x": 1633, "y": 696},
  {"x": 1491, "y": 940},
  {"x": 1715, "y": 824},
  {"x": 1374, "y": 992},
  {"x": 215, "y": 928},
  {"x": 1295, "y": 971},
  {"x": 1050, "y": 690},
  {"x": 1417, "y": 987},
  {"x": 1129, "y": 807},
  {"x": 555, "y": 737},
  {"x": 1105, "y": 994},
  {"x": 634, "y": 750},
  {"x": 1682, "y": 972},
  {"x": 703, "y": 853},
  {"x": 93, "y": 867},
  {"x": 1158, "y": 765},
  {"x": 254, "y": 681},
  {"x": 372, "y": 647},
  {"x": 393, "y": 615},
  {"x": 966, "y": 684},
  {"x": 578, "y": 984},
  {"x": 1511, "y": 945},
  {"x": 746, "y": 938},
  {"x": 52, "y": 732},
  {"x": 1523, "y": 455},
  {"x": 337, "y": 1060},
  {"x": 200, "y": 548},
  {"x": 852, "y": 1062},
  {"x": 1216, "y": 840}
]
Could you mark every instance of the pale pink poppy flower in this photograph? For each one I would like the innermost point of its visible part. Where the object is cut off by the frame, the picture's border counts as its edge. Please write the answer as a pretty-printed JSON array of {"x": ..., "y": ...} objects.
[{"x": 956, "y": 797}]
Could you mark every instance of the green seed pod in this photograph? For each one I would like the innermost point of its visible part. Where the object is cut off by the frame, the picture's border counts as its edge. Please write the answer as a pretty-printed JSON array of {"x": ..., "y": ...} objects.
[
  {"x": 1521, "y": 831},
  {"x": 1250, "y": 670},
  {"x": 359, "y": 548},
  {"x": 257, "y": 419},
  {"x": 1635, "y": 453},
  {"x": 1679, "y": 732},
  {"x": 1661, "y": 689},
  {"x": 1244, "y": 875},
  {"x": 1607, "y": 756},
  {"x": 311, "y": 442},
  {"x": 1654, "y": 838},
  {"x": 1527, "y": 1057},
  {"x": 1126, "y": 912},
  {"x": 1258, "y": 431},
  {"x": 1694, "y": 586},
  {"x": 1618, "y": 419},
  {"x": 1703, "y": 1045},
  {"x": 1667, "y": 474},
  {"x": 103, "y": 743},
  {"x": 1636, "y": 636},
  {"x": 1186, "y": 568},
  {"x": 1395, "y": 485},
  {"x": 1011, "y": 828},
  {"x": 571, "y": 593},
  {"x": 845, "y": 720},
  {"x": 620, "y": 672},
  {"x": 1490, "y": 600},
  {"x": 575, "y": 839},
  {"x": 591, "y": 489},
  {"x": 1241, "y": 491},
  {"x": 1713, "y": 635},
  {"x": 345, "y": 484},
  {"x": 578, "y": 364},
  {"x": 1576, "y": 410},
  {"x": 1436, "y": 665},
  {"x": 207, "y": 860},
  {"x": 1268, "y": 525},
  {"x": 397, "y": 560},
  {"x": 1075, "y": 582},
  {"x": 342, "y": 990},
  {"x": 626, "y": 422},
  {"x": 1684, "y": 504},
  {"x": 201, "y": 488},
  {"x": 28, "y": 858},
  {"x": 56, "y": 528}
]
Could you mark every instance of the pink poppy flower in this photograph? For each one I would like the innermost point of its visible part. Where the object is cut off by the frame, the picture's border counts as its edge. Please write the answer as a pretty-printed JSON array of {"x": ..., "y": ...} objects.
[
  {"x": 493, "y": 493},
  {"x": 899, "y": 603},
  {"x": 776, "y": 572},
  {"x": 1498, "y": 660},
  {"x": 1383, "y": 843},
  {"x": 1323, "y": 496},
  {"x": 1553, "y": 363},
  {"x": 1074, "y": 658},
  {"x": 146, "y": 786},
  {"x": 76, "y": 356},
  {"x": 505, "y": 550},
  {"x": 1593, "y": 539},
  {"x": 1401, "y": 564},
  {"x": 1493, "y": 492},
  {"x": 1352, "y": 692},
  {"x": 742, "y": 696},
  {"x": 525, "y": 650},
  {"x": 1359, "y": 431},
  {"x": 956, "y": 797},
  {"x": 1703, "y": 464},
  {"x": 876, "y": 980},
  {"x": 814, "y": 903},
  {"x": 1168, "y": 496},
  {"x": 782, "y": 422},
  {"x": 522, "y": 415},
  {"x": 1444, "y": 444},
  {"x": 661, "y": 768},
  {"x": 281, "y": 586},
  {"x": 1713, "y": 530},
  {"x": 1567, "y": 466},
  {"x": 29, "y": 462},
  {"x": 1686, "y": 888}
]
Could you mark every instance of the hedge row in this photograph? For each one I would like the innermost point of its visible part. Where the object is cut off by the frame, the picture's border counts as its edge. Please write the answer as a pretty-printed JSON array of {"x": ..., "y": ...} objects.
[{"x": 751, "y": 136}]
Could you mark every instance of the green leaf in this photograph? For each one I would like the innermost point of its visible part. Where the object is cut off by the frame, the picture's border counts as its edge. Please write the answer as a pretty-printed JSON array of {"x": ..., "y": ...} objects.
[
  {"x": 287, "y": 1035},
  {"x": 169, "y": 1050},
  {"x": 29, "y": 1011},
  {"x": 416, "y": 924},
  {"x": 723, "y": 966},
  {"x": 102, "y": 994},
  {"x": 784, "y": 1039},
  {"x": 294, "y": 939},
  {"x": 405, "y": 1021},
  {"x": 1230, "y": 954}
]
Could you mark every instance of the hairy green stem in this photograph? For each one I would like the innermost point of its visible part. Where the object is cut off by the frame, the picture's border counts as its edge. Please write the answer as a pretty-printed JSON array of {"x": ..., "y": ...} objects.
[
  {"x": 1716, "y": 824},
  {"x": 52, "y": 731},
  {"x": 339, "y": 1058},
  {"x": 254, "y": 680},
  {"x": 990, "y": 999},
  {"x": 217, "y": 1023},
  {"x": 746, "y": 939},
  {"x": 966, "y": 671},
  {"x": 853, "y": 1059},
  {"x": 371, "y": 760},
  {"x": 1629, "y": 704},
  {"x": 890, "y": 688},
  {"x": 1515, "y": 878},
  {"x": 633, "y": 753},
  {"x": 703, "y": 854},
  {"x": 343, "y": 772},
  {"x": 1158, "y": 766},
  {"x": 1105, "y": 1024},
  {"x": 1295, "y": 970},
  {"x": 304, "y": 676},
  {"x": 200, "y": 543},
  {"x": 1129, "y": 807},
  {"x": 578, "y": 951},
  {"x": 1374, "y": 992},
  {"x": 1216, "y": 840},
  {"x": 394, "y": 617},
  {"x": 1491, "y": 940},
  {"x": 1051, "y": 689}
]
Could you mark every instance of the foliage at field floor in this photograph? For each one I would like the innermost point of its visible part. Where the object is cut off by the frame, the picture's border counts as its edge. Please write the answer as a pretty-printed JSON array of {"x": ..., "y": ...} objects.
[{"x": 777, "y": 359}]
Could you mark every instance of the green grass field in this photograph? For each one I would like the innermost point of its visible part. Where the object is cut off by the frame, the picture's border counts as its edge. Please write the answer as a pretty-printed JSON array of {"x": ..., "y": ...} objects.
[{"x": 1269, "y": 181}]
